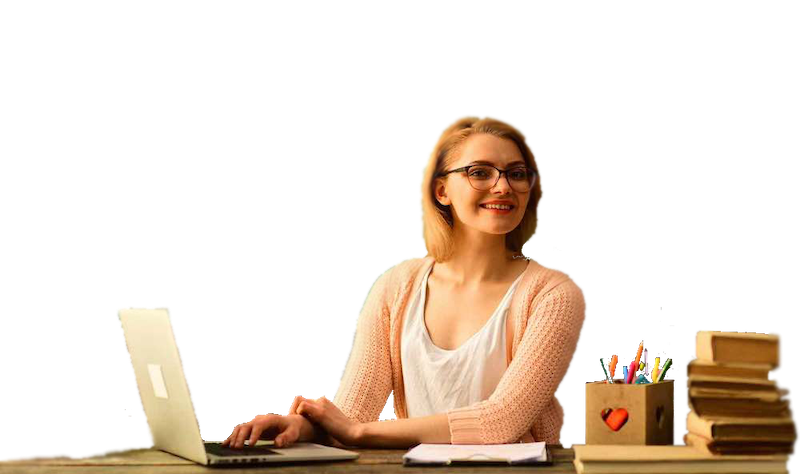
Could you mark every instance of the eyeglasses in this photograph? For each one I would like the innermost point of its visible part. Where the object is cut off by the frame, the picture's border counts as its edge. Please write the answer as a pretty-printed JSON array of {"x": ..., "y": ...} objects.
[{"x": 484, "y": 177}]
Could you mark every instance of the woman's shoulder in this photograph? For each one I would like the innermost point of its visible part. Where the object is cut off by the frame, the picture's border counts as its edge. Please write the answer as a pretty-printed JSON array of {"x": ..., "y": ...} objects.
[
  {"x": 402, "y": 270},
  {"x": 541, "y": 279},
  {"x": 412, "y": 264}
]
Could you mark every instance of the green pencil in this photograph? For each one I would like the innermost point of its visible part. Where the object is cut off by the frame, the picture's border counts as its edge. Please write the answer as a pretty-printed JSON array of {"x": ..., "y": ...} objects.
[
  {"x": 663, "y": 371},
  {"x": 605, "y": 370}
]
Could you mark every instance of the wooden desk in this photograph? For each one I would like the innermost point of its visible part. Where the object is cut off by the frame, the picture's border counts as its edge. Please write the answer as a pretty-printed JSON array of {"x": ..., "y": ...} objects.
[{"x": 371, "y": 460}]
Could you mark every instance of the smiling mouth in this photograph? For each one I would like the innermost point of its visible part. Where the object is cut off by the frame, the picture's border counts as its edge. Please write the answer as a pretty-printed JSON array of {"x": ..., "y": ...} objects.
[{"x": 495, "y": 209}]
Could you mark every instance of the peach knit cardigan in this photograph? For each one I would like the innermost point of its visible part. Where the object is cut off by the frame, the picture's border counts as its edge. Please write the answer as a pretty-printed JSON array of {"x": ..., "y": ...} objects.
[{"x": 546, "y": 314}]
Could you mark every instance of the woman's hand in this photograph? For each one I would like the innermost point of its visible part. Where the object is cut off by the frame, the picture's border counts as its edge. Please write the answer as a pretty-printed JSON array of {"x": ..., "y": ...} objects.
[
  {"x": 285, "y": 430},
  {"x": 324, "y": 413},
  {"x": 320, "y": 435}
]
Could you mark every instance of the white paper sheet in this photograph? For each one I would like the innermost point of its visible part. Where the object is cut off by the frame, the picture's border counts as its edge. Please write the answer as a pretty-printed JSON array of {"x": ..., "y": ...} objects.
[{"x": 445, "y": 453}]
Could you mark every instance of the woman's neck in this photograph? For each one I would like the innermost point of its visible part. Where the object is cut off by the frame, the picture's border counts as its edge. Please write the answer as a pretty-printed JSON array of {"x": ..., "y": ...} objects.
[{"x": 471, "y": 274}]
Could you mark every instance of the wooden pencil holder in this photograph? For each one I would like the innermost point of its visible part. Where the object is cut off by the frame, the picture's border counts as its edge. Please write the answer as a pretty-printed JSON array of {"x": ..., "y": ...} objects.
[{"x": 621, "y": 413}]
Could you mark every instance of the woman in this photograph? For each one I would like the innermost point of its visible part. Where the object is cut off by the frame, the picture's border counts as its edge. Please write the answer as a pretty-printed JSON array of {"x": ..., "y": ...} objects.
[{"x": 473, "y": 339}]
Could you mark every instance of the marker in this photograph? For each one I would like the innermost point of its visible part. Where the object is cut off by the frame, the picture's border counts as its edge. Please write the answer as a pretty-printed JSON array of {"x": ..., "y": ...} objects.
[
  {"x": 654, "y": 375},
  {"x": 663, "y": 372},
  {"x": 625, "y": 374},
  {"x": 613, "y": 366},
  {"x": 631, "y": 372}
]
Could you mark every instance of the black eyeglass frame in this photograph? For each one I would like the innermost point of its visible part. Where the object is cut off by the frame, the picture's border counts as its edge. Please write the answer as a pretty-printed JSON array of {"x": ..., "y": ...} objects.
[{"x": 499, "y": 175}]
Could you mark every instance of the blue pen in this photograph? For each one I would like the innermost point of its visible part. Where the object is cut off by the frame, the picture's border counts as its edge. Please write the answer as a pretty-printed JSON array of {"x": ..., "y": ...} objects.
[{"x": 624, "y": 372}]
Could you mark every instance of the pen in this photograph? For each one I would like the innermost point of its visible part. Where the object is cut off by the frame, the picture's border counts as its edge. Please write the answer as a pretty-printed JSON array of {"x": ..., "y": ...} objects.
[
  {"x": 624, "y": 374},
  {"x": 613, "y": 366},
  {"x": 663, "y": 372}
]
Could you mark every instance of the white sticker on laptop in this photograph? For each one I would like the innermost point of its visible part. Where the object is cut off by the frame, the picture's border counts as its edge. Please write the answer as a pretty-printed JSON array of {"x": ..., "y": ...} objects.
[{"x": 157, "y": 379}]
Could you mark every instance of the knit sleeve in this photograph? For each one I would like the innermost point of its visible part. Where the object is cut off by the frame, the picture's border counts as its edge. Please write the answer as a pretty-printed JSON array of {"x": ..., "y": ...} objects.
[
  {"x": 367, "y": 379},
  {"x": 531, "y": 379}
]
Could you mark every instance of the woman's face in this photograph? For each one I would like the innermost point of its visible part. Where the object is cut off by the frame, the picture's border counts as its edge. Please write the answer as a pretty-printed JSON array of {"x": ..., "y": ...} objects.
[{"x": 468, "y": 204}]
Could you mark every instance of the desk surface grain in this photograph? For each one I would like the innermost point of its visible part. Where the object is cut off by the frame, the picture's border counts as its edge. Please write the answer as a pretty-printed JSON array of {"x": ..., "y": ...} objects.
[{"x": 371, "y": 460}]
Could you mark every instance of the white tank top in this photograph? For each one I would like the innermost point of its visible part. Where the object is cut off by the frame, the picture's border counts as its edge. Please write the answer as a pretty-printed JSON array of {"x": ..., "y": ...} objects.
[{"x": 437, "y": 380}]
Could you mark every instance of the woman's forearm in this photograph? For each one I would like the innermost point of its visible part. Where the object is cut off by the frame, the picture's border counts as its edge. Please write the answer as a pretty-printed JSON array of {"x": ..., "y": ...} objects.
[{"x": 406, "y": 432}]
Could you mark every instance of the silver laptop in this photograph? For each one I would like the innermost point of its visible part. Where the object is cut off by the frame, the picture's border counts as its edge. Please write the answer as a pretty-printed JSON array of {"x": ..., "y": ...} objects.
[{"x": 169, "y": 410}]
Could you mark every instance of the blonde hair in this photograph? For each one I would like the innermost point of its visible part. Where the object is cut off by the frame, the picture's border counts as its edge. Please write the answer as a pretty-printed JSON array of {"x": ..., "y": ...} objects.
[{"x": 437, "y": 220}]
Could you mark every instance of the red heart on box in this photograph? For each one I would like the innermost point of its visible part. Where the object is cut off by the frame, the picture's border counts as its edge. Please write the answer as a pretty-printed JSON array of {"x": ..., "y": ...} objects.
[{"x": 615, "y": 418}]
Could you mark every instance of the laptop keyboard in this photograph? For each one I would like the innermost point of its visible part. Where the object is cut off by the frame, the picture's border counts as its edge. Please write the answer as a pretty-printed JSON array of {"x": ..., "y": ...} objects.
[{"x": 220, "y": 450}]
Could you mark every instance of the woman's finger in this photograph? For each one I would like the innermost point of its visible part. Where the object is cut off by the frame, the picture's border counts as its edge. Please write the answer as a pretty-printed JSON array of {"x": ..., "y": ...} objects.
[
  {"x": 307, "y": 408},
  {"x": 295, "y": 403},
  {"x": 232, "y": 437},
  {"x": 285, "y": 439},
  {"x": 239, "y": 430},
  {"x": 244, "y": 432},
  {"x": 258, "y": 428}
]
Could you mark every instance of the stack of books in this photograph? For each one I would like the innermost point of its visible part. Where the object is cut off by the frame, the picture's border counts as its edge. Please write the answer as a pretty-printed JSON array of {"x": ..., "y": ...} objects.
[
  {"x": 735, "y": 408},
  {"x": 618, "y": 459}
]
